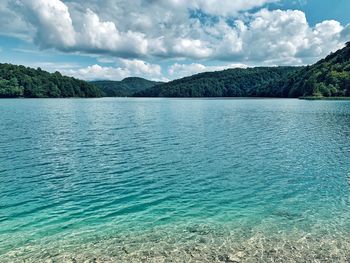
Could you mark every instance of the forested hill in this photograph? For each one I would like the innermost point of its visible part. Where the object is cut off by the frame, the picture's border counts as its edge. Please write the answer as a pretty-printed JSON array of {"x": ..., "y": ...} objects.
[
  {"x": 330, "y": 77},
  {"x": 250, "y": 82},
  {"x": 20, "y": 81},
  {"x": 126, "y": 87}
]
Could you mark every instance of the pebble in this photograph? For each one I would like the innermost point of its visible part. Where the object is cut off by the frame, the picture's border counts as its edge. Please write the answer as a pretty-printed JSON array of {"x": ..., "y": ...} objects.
[{"x": 236, "y": 258}]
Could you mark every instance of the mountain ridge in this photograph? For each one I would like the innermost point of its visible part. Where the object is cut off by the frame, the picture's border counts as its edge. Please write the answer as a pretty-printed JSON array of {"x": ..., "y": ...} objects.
[
  {"x": 329, "y": 77},
  {"x": 237, "y": 82},
  {"x": 124, "y": 88}
]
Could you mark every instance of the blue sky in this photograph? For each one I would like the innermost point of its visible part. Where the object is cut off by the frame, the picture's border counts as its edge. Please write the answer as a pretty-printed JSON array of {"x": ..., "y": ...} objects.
[{"x": 168, "y": 39}]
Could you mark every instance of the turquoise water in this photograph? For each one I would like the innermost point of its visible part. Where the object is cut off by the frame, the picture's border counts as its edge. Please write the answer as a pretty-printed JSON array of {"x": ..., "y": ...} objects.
[{"x": 174, "y": 180}]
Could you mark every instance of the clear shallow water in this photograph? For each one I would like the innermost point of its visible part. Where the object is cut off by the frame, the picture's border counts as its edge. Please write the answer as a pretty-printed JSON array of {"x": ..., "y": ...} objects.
[{"x": 187, "y": 180}]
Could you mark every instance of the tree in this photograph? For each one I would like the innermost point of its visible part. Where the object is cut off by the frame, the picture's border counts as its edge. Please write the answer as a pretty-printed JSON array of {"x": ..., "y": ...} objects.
[{"x": 17, "y": 81}]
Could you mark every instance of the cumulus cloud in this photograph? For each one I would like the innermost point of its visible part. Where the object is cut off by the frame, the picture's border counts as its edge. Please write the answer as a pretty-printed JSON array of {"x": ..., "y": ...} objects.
[
  {"x": 53, "y": 22},
  {"x": 96, "y": 72},
  {"x": 182, "y": 70},
  {"x": 54, "y": 29},
  {"x": 187, "y": 47},
  {"x": 202, "y": 30},
  {"x": 104, "y": 36},
  {"x": 229, "y": 7},
  {"x": 127, "y": 68},
  {"x": 278, "y": 37},
  {"x": 286, "y": 35},
  {"x": 140, "y": 67}
]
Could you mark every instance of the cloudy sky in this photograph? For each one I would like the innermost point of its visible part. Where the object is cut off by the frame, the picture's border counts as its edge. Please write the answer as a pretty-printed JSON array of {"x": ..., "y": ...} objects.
[{"x": 168, "y": 39}]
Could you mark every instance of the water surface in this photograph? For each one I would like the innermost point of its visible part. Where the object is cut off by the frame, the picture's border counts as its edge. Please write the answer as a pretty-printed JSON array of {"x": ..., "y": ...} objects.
[{"x": 187, "y": 180}]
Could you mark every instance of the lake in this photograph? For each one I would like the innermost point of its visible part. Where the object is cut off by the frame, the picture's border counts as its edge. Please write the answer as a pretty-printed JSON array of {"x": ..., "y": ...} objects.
[{"x": 174, "y": 180}]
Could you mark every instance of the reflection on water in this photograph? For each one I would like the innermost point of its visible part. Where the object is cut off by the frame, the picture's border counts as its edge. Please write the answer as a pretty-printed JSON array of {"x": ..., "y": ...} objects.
[{"x": 174, "y": 180}]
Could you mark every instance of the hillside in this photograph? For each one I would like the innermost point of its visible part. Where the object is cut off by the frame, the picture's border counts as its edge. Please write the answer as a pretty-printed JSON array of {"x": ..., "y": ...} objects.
[
  {"x": 330, "y": 77},
  {"x": 250, "y": 82},
  {"x": 20, "y": 81},
  {"x": 126, "y": 87}
]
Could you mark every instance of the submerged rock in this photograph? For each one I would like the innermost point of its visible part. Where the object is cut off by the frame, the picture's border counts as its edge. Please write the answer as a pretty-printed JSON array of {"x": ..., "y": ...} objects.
[
  {"x": 236, "y": 258},
  {"x": 233, "y": 259},
  {"x": 287, "y": 214}
]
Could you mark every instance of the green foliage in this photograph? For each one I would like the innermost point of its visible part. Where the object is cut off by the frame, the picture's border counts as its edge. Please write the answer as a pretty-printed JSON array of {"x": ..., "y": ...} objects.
[
  {"x": 250, "y": 82},
  {"x": 20, "y": 81},
  {"x": 10, "y": 88},
  {"x": 125, "y": 88},
  {"x": 330, "y": 77}
]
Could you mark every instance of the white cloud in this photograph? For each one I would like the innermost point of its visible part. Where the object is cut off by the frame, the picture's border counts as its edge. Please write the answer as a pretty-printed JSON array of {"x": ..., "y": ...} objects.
[
  {"x": 95, "y": 34},
  {"x": 127, "y": 68},
  {"x": 96, "y": 72},
  {"x": 143, "y": 30},
  {"x": 52, "y": 67},
  {"x": 229, "y": 7},
  {"x": 182, "y": 70},
  {"x": 53, "y": 22},
  {"x": 328, "y": 29},
  {"x": 277, "y": 37},
  {"x": 191, "y": 48},
  {"x": 156, "y": 28},
  {"x": 139, "y": 67}
]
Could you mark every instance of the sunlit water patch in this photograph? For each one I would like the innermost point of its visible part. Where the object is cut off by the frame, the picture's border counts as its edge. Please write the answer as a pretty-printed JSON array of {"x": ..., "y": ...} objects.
[{"x": 174, "y": 180}]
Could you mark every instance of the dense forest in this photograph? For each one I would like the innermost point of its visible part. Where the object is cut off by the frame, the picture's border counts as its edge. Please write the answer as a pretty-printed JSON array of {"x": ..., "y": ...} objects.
[
  {"x": 250, "y": 82},
  {"x": 330, "y": 77},
  {"x": 125, "y": 88},
  {"x": 20, "y": 81}
]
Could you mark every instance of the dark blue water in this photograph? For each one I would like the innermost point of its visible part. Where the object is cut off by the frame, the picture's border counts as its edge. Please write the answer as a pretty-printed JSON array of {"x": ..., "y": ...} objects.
[{"x": 174, "y": 179}]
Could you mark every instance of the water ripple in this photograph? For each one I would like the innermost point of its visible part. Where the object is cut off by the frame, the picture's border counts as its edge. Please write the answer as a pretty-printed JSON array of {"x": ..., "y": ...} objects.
[{"x": 171, "y": 180}]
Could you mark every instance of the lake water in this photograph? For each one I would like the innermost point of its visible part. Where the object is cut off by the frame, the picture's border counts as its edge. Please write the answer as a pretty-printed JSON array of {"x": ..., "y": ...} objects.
[{"x": 174, "y": 180}]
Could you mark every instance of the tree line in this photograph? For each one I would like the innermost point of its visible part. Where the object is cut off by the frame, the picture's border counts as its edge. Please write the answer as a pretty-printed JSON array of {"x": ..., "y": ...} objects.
[
  {"x": 330, "y": 77},
  {"x": 20, "y": 81}
]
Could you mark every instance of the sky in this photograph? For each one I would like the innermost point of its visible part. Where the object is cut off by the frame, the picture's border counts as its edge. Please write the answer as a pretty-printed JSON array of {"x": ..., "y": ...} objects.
[{"x": 168, "y": 39}]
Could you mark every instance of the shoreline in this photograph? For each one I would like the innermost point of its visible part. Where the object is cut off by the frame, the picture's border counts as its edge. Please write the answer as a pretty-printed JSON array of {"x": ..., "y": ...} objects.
[
  {"x": 324, "y": 98},
  {"x": 188, "y": 98},
  {"x": 201, "y": 243},
  {"x": 311, "y": 98}
]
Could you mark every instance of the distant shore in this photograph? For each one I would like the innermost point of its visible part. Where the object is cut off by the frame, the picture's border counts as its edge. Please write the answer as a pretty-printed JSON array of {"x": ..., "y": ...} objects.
[
  {"x": 237, "y": 98},
  {"x": 324, "y": 98}
]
